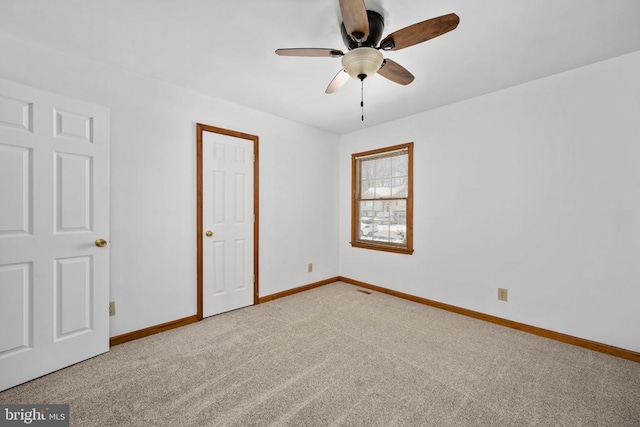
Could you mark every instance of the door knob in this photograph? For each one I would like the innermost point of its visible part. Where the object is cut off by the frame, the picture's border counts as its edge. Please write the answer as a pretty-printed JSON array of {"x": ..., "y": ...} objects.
[
  {"x": 209, "y": 233},
  {"x": 101, "y": 243}
]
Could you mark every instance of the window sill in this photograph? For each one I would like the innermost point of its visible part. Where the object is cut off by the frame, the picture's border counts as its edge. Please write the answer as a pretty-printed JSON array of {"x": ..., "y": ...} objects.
[{"x": 383, "y": 247}]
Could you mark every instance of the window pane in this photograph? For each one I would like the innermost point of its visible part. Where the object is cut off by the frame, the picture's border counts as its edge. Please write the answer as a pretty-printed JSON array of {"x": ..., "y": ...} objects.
[
  {"x": 400, "y": 165},
  {"x": 384, "y": 221},
  {"x": 366, "y": 192},
  {"x": 367, "y": 228},
  {"x": 384, "y": 177},
  {"x": 399, "y": 188},
  {"x": 382, "y": 188},
  {"x": 383, "y": 167},
  {"x": 368, "y": 168}
]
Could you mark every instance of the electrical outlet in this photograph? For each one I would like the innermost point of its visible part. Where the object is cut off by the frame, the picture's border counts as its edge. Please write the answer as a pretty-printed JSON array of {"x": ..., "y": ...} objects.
[
  {"x": 310, "y": 267},
  {"x": 502, "y": 294},
  {"x": 112, "y": 308}
]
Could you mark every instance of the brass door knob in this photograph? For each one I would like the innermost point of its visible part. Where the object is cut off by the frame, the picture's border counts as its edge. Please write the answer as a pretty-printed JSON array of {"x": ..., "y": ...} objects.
[
  {"x": 101, "y": 243},
  {"x": 209, "y": 233}
]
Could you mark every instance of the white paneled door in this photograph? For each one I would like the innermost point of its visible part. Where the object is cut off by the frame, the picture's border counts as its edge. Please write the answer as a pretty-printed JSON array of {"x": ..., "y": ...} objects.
[
  {"x": 228, "y": 222},
  {"x": 54, "y": 227}
]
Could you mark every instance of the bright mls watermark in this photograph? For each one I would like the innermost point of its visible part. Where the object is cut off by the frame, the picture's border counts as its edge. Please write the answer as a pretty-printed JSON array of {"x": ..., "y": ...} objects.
[{"x": 34, "y": 415}]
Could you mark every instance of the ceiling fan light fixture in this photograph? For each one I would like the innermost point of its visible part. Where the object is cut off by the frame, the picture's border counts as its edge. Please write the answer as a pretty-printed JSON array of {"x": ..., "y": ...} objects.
[{"x": 362, "y": 61}]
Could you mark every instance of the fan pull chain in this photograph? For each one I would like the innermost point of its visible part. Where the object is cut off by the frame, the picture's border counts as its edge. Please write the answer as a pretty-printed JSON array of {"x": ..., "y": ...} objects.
[{"x": 362, "y": 98}]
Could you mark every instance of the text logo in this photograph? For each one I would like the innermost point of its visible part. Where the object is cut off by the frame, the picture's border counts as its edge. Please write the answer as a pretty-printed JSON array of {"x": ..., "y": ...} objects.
[{"x": 34, "y": 415}]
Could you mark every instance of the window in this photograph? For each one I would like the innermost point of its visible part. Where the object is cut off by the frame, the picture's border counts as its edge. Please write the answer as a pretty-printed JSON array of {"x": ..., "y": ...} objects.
[{"x": 382, "y": 199}]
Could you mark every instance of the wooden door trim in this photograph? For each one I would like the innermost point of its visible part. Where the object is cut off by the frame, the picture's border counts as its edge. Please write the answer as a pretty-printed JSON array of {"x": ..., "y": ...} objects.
[{"x": 200, "y": 128}]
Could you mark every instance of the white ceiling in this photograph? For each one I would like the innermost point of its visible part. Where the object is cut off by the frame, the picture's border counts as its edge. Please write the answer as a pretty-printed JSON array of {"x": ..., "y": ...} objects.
[{"x": 226, "y": 48}]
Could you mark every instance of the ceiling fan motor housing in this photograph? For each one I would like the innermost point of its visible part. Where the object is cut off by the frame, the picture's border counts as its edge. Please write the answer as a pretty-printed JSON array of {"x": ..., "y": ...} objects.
[{"x": 376, "y": 26}]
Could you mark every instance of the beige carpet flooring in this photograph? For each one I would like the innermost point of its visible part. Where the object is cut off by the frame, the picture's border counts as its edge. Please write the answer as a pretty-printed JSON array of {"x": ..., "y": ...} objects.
[{"x": 334, "y": 356}]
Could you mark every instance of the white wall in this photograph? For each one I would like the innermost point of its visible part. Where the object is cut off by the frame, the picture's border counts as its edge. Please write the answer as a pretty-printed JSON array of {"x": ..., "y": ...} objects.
[
  {"x": 535, "y": 188},
  {"x": 153, "y": 215}
]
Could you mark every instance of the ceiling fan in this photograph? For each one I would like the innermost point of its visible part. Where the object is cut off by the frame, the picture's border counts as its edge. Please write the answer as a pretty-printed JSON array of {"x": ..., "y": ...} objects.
[{"x": 361, "y": 32}]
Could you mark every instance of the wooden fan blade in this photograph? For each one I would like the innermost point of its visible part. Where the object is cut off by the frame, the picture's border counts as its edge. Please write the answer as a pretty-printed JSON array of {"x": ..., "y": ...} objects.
[
  {"x": 395, "y": 72},
  {"x": 420, "y": 32},
  {"x": 338, "y": 81},
  {"x": 354, "y": 16},
  {"x": 313, "y": 52}
]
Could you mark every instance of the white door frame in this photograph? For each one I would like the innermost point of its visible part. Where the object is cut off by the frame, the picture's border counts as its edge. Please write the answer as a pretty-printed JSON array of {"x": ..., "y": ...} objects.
[{"x": 200, "y": 129}]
